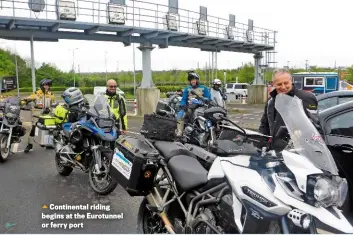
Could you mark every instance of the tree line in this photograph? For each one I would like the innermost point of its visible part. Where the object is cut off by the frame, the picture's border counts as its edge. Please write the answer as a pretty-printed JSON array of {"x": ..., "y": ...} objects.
[{"x": 244, "y": 74}]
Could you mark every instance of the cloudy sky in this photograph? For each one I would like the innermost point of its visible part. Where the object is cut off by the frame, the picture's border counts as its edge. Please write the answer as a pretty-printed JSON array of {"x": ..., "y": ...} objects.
[{"x": 313, "y": 30}]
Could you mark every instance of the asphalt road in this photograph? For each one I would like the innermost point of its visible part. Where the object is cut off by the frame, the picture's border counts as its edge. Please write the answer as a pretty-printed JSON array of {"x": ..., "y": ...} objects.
[{"x": 30, "y": 181}]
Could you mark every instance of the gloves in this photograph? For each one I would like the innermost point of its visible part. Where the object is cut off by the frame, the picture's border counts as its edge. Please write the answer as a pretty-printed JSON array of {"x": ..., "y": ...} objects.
[{"x": 46, "y": 111}]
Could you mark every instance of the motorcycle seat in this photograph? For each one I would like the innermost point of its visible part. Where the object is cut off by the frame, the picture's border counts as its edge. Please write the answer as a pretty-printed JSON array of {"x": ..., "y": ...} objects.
[
  {"x": 187, "y": 172},
  {"x": 169, "y": 149}
]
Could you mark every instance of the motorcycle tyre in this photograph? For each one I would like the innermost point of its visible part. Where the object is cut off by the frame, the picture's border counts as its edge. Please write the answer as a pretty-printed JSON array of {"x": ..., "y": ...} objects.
[
  {"x": 4, "y": 158},
  {"x": 63, "y": 170},
  {"x": 112, "y": 185}
]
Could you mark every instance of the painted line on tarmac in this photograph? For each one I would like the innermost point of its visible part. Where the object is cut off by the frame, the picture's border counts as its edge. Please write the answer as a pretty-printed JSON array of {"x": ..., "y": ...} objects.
[{"x": 134, "y": 133}]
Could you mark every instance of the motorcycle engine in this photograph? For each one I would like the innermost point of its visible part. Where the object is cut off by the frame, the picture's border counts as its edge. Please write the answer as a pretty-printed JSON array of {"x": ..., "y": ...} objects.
[
  {"x": 224, "y": 214},
  {"x": 206, "y": 215}
]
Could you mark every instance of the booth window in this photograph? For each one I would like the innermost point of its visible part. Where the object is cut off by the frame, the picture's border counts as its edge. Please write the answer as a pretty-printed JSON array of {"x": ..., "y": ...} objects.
[{"x": 314, "y": 81}]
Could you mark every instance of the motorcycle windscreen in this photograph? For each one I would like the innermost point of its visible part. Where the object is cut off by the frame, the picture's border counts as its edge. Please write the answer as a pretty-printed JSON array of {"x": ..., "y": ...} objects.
[
  {"x": 98, "y": 106},
  {"x": 12, "y": 105},
  {"x": 217, "y": 98},
  {"x": 304, "y": 136}
]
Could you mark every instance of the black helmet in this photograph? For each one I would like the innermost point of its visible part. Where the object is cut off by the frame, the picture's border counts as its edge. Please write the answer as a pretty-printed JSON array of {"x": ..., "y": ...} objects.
[
  {"x": 44, "y": 82},
  {"x": 192, "y": 75}
]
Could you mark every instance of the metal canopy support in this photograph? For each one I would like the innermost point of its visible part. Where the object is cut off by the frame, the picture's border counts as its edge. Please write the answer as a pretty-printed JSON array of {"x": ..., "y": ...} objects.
[
  {"x": 214, "y": 65},
  {"x": 146, "y": 49},
  {"x": 232, "y": 20},
  {"x": 203, "y": 14},
  {"x": 33, "y": 66},
  {"x": 258, "y": 70},
  {"x": 173, "y": 6}
]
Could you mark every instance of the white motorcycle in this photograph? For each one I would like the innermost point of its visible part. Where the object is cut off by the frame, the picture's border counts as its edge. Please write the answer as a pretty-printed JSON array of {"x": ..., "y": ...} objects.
[{"x": 250, "y": 192}]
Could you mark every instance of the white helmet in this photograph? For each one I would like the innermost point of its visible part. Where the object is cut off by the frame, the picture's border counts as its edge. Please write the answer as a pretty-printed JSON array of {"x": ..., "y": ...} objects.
[{"x": 216, "y": 82}]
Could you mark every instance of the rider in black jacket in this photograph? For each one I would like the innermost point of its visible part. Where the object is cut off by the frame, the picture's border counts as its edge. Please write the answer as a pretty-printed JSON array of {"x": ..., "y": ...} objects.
[{"x": 271, "y": 120}]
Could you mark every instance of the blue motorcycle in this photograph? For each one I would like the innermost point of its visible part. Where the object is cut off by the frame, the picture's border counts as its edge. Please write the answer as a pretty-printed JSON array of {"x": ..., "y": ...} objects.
[{"x": 88, "y": 144}]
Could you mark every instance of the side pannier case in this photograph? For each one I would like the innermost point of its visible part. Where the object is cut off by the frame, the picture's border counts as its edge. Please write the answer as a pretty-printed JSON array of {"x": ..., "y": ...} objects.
[{"x": 135, "y": 165}]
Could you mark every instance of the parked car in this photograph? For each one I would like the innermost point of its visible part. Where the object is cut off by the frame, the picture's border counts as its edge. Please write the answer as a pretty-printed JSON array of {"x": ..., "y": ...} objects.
[
  {"x": 337, "y": 126},
  {"x": 331, "y": 99},
  {"x": 101, "y": 90},
  {"x": 239, "y": 89}
]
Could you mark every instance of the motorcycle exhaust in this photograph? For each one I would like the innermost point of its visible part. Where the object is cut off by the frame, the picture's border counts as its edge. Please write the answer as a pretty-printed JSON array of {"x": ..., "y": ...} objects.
[{"x": 155, "y": 200}]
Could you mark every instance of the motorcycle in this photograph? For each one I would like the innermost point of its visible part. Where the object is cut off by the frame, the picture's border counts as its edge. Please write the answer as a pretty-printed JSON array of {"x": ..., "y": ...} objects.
[
  {"x": 87, "y": 145},
  {"x": 11, "y": 126},
  {"x": 246, "y": 192}
]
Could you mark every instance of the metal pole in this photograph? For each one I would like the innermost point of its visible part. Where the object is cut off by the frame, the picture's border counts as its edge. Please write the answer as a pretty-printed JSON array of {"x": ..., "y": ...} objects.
[
  {"x": 32, "y": 66},
  {"x": 74, "y": 66},
  {"x": 134, "y": 69},
  {"x": 224, "y": 78},
  {"x": 209, "y": 78},
  {"x": 106, "y": 64},
  {"x": 117, "y": 71},
  {"x": 216, "y": 63},
  {"x": 18, "y": 85},
  {"x": 212, "y": 66},
  {"x": 205, "y": 71}
]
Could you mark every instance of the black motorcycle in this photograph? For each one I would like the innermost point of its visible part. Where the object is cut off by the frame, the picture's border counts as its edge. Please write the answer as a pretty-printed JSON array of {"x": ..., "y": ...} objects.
[
  {"x": 11, "y": 129},
  {"x": 88, "y": 145}
]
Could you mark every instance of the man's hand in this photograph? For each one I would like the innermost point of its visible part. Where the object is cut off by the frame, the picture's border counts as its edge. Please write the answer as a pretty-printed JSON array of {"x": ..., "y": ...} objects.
[{"x": 123, "y": 132}]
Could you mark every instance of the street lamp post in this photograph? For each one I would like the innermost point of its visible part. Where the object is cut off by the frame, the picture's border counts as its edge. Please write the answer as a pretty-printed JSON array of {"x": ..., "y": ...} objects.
[
  {"x": 18, "y": 85},
  {"x": 74, "y": 65},
  {"x": 105, "y": 59},
  {"x": 134, "y": 69},
  {"x": 117, "y": 71}
]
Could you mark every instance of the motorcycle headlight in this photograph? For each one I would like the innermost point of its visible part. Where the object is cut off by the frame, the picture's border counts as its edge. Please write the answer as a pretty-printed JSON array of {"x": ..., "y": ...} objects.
[{"x": 328, "y": 192}]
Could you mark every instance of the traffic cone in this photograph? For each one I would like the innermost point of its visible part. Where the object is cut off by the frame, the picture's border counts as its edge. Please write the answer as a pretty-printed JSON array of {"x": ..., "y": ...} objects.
[
  {"x": 243, "y": 99},
  {"x": 135, "y": 108}
]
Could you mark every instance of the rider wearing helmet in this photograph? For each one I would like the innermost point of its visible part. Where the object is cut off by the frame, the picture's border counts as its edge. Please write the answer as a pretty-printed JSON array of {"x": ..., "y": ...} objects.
[
  {"x": 43, "y": 100},
  {"x": 217, "y": 95},
  {"x": 71, "y": 111},
  {"x": 187, "y": 95}
]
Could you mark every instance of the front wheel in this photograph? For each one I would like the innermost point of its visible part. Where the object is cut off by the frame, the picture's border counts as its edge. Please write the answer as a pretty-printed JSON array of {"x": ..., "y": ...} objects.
[
  {"x": 63, "y": 170},
  {"x": 148, "y": 221},
  {"x": 101, "y": 182},
  {"x": 4, "y": 151}
]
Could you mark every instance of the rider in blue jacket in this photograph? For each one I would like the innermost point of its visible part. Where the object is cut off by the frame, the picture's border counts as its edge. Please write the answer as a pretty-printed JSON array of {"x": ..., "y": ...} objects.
[{"x": 201, "y": 90}]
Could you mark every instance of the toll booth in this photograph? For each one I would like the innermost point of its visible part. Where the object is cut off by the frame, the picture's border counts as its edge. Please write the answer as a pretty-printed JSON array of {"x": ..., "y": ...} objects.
[{"x": 316, "y": 82}]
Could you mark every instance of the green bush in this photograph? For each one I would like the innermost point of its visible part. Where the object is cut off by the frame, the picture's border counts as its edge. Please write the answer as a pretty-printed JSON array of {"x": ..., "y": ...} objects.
[{"x": 89, "y": 90}]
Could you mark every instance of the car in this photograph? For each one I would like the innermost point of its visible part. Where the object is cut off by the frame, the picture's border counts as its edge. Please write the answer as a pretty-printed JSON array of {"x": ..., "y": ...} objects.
[
  {"x": 238, "y": 89},
  {"x": 333, "y": 98},
  {"x": 101, "y": 90},
  {"x": 337, "y": 127}
]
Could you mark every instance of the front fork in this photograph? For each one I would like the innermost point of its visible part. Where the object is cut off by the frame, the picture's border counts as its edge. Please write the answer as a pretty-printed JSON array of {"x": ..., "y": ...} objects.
[
  {"x": 98, "y": 161},
  {"x": 9, "y": 140}
]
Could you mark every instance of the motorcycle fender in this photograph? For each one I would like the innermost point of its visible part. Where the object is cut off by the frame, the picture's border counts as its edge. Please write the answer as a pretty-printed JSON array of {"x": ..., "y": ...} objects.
[{"x": 338, "y": 221}]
